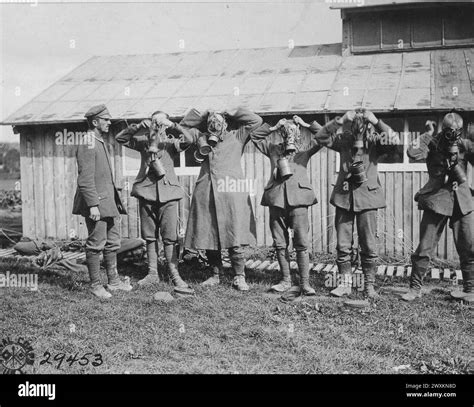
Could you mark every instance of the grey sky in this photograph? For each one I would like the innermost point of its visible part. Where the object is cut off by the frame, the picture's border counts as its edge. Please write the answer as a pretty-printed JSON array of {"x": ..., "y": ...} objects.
[{"x": 39, "y": 44}]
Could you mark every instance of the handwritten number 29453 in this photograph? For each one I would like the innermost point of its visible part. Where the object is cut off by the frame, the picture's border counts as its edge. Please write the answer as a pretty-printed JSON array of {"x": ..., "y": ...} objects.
[{"x": 60, "y": 358}]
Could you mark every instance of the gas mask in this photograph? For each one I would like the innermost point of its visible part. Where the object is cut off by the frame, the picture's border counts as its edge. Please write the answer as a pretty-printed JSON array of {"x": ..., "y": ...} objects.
[
  {"x": 203, "y": 149},
  {"x": 157, "y": 135},
  {"x": 357, "y": 172},
  {"x": 359, "y": 129},
  {"x": 450, "y": 138},
  {"x": 291, "y": 135},
  {"x": 216, "y": 127},
  {"x": 290, "y": 132}
]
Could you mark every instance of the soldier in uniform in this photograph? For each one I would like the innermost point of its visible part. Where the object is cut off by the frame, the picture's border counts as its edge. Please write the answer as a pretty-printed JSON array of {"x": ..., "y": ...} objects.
[
  {"x": 98, "y": 201},
  {"x": 289, "y": 145},
  {"x": 158, "y": 190},
  {"x": 446, "y": 196},
  {"x": 221, "y": 216},
  {"x": 358, "y": 193}
]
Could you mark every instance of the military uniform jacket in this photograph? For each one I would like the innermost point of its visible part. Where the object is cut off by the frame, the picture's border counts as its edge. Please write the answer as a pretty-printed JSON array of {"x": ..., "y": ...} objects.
[
  {"x": 435, "y": 194},
  {"x": 346, "y": 195},
  {"x": 296, "y": 190},
  {"x": 95, "y": 184},
  {"x": 221, "y": 214},
  {"x": 147, "y": 185}
]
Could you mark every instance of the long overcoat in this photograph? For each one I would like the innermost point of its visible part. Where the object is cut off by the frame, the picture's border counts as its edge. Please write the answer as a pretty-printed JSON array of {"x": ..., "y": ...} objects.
[{"x": 221, "y": 214}]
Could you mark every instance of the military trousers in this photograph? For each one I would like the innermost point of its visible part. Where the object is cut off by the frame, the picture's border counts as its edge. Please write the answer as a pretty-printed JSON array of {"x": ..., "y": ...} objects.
[
  {"x": 103, "y": 235},
  {"x": 236, "y": 255},
  {"x": 295, "y": 218},
  {"x": 431, "y": 228},
  {"x": 345, "y": 223},
  {"x": 156, "y": 217}
]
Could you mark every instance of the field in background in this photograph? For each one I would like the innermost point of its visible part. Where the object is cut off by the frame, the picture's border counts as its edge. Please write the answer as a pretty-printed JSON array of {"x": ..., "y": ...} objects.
[{"x": 223, "y": 331}]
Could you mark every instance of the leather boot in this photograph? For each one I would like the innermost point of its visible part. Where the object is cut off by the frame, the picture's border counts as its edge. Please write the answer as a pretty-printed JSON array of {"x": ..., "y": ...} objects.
[
  {"x": 284, "y": 262},
  {"x": 416, "y": 281},
  {"x": 172, "y": 261},
  {"x": 345, "y": 287},
  {"x": 302, "y": 259},
  {"x": 417, "y": 273},
  {"x": 238, "y": 265},
  {"x": 93, "y": 266},
  {"x": 152, "y": 254},
  {"x": 101, "y": 292},
  {"x": 369, "y": 270},
  {"x": 110, "y": 260},
  {"x": 215, "y": 261},
  {"x": 467, "y": 294}
]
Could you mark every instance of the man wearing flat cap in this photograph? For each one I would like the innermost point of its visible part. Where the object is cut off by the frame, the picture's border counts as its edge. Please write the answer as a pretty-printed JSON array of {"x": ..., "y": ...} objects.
[{"x": 99, "y": 202}]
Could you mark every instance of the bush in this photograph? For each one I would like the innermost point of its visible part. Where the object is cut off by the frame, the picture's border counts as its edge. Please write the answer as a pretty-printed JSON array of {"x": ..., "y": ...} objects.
[{"x": 9, "y": 199}]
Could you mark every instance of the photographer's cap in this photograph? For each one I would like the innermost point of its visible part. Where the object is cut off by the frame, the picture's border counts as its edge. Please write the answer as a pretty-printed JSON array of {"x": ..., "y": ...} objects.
[{"x": 100, "y": 111}]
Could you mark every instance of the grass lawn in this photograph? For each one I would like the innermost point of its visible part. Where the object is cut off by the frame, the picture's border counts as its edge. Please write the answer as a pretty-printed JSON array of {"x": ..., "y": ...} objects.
[{"x": 220, "y": 330}]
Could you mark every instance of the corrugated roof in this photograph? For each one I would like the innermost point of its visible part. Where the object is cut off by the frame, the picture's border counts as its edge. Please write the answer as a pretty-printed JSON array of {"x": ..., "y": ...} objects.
[{"x": 268, "y": 81}]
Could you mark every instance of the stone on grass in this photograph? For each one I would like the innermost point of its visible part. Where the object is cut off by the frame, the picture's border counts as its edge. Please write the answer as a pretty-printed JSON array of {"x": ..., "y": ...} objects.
[
  {"x": 396, "y": 290},
  {"x": 356, "y": 303},
  {"x": 163, "y": 296}
]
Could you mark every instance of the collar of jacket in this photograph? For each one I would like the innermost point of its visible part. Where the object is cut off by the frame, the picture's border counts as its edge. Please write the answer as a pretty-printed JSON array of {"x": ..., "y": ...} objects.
[{"x": 94, "y": 134}]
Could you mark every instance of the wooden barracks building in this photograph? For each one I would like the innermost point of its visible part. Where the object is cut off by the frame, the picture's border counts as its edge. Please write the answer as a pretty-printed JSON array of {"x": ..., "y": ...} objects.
[{"x": 407, "y": 62}]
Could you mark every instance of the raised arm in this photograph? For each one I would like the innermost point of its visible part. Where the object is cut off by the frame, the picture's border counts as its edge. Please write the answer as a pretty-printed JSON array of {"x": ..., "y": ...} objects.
[
  {"x": 124, "y": 136},
  {"x": 185, "y": 139},
  {"x": 313, "y": 129},
  {"x": 384, "y": 137},
  {"x": 129, "y": 138},
  {"x": 260, "y": 138},
  {"x": 328, "y": 137},
  {"x": 246, "y": 120},
  {"x": 420, "y": 147}
]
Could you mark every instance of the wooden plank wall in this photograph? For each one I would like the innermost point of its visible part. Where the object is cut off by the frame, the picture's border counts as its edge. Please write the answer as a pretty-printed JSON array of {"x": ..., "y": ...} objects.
[{"x": 49, "y": 173}]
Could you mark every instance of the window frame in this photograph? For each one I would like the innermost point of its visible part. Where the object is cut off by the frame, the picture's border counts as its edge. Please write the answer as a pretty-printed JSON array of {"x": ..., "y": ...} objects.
[
  {"x": 406, "y": 165},
  {"x": 408, "y": 46},
  {"x": 181, "y": 171}
]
